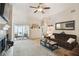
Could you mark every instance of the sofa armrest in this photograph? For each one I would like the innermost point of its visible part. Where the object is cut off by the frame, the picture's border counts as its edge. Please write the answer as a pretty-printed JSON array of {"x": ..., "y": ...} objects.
[{"x": 74, "y": 44}]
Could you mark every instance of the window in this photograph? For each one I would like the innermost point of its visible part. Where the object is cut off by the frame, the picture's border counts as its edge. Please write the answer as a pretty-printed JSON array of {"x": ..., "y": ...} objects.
[{"x": 21, "y": 30}]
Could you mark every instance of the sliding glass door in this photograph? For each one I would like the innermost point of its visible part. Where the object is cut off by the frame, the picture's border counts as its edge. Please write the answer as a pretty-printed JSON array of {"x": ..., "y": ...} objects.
[{"x": 21, "y": 31}]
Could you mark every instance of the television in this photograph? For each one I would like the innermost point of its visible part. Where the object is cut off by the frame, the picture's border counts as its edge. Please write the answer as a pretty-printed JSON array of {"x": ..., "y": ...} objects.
[{"x": 2, "y": 8}]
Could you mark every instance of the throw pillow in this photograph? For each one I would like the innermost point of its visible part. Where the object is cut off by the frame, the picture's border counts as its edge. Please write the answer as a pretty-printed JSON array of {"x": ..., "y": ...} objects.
[{"x": 70, "y": 40}]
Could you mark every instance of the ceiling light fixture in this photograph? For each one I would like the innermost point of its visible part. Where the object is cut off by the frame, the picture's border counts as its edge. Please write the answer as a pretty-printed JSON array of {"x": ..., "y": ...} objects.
[{"x": 40, "y": 9}]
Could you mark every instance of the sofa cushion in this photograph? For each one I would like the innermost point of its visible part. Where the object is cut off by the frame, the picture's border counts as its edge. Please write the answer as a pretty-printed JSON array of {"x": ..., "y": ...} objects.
[
  {"x": 61, "y": 37},
  {"x": 70, "y": 40},
  {"x": 52, "y": 42}
]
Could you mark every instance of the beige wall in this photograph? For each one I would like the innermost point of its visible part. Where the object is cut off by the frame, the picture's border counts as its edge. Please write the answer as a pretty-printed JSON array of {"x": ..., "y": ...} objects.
[
  {"x": 37, "y": 33},
  {"x": 34, "y": 33},
  {"x": 67, "y": 15}
]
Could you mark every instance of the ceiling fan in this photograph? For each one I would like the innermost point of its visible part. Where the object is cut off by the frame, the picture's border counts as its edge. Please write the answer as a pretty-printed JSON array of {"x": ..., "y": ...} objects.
[{"x": 39, "y": 8}]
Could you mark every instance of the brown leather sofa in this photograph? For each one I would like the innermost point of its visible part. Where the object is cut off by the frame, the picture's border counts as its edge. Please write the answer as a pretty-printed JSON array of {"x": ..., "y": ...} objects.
[{"x": 61, "y": 39}]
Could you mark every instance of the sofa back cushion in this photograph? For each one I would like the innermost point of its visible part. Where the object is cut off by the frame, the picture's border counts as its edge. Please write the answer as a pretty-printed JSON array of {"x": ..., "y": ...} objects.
[{"x": 64, "y": 37}]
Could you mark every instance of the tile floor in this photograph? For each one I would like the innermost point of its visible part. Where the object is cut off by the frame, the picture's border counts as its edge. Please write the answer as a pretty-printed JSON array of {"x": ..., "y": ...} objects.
[{"x": 29, "y": 47}]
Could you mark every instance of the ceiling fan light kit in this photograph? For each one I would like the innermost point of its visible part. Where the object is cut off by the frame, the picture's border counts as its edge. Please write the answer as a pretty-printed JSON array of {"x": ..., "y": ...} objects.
[{"x": 40, "y": 9}]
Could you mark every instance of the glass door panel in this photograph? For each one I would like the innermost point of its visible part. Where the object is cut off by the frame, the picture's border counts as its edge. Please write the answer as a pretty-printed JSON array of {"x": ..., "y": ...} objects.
[{"x": 21, "y": 31}]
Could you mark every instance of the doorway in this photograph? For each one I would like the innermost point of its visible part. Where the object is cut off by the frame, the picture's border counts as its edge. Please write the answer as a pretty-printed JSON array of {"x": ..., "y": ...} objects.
[{"x": 21, "y": 32}]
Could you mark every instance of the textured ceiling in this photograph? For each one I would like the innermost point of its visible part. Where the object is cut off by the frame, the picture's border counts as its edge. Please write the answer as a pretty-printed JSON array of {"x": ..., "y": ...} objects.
[{"x": 22, "y": 13}]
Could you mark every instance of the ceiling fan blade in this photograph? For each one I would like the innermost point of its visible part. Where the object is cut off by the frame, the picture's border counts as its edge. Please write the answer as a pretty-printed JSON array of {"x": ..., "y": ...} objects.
[
  {"x": 35, "y": 11},
  {"x": 46, "y": 8},
  {"x": 32, "y": 7}
]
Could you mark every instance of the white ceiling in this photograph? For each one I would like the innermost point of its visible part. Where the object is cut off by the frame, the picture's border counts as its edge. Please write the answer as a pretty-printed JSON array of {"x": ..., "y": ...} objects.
[{"x": 22, "y": 13}]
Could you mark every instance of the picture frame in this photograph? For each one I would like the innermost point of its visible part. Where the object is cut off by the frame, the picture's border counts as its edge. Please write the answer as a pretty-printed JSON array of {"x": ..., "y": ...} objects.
[{"x": 67, "y": 25}]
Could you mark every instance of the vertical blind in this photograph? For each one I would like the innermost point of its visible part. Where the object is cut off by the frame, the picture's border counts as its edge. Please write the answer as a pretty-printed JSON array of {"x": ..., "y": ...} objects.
[{"x": 21, "y": 30}]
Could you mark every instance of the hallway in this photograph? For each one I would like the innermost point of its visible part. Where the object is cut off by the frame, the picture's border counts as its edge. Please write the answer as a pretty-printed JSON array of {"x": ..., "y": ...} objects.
[{"x": 30, "y": 48}]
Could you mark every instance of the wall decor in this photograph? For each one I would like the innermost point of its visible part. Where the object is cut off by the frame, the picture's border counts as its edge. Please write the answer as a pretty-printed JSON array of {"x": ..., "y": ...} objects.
[
  {"x": 35, "y": 26},
  {"x": 67, "y": 25}
]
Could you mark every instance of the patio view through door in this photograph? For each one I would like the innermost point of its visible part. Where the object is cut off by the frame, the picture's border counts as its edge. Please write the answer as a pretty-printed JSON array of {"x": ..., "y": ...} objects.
[{"x": 21, "y": 32}]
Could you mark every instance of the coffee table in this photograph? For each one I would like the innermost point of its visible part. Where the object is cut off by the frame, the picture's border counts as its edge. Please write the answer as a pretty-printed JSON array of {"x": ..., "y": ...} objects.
[{"x": 52, "y": 45}]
